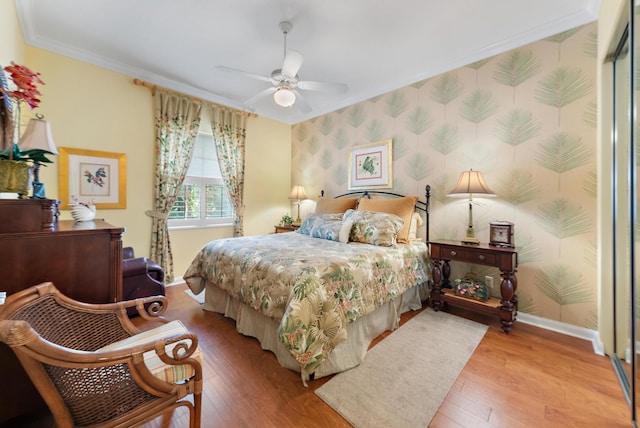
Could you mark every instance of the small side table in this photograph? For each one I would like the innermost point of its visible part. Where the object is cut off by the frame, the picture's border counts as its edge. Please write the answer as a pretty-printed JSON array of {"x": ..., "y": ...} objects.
[
  {"x": 283, "y": 229},
  {"x": 505, "y": 259}
]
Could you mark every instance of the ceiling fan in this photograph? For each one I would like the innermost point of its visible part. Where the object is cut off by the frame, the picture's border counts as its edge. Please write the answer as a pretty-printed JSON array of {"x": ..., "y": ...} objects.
[{"x": 285, "y": 80}]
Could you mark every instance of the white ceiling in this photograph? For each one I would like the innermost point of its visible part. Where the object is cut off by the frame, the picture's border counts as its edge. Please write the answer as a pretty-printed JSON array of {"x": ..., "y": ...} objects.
[{"x": 373, "y": 46}]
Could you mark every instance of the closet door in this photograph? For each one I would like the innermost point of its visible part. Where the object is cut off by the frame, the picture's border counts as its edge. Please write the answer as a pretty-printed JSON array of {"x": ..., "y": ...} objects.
[
  {"x": 624, "y": 211},
  {"x": 634, "y": 159}
]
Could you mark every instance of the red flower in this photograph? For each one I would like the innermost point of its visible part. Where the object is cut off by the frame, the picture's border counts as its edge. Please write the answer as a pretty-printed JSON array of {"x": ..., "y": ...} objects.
[{"x": 26, "y": 81}]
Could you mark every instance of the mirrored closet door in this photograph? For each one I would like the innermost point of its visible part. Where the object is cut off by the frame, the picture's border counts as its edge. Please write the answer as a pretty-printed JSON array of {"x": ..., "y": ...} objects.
[{"x": 624, "y": 278}]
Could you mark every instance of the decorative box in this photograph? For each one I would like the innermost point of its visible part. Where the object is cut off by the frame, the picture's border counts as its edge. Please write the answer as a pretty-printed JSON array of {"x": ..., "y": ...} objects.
[{"x": 471, "y": 288}]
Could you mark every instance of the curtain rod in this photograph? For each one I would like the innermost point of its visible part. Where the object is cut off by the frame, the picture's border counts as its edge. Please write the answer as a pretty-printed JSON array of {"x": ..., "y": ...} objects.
[{"x": 154, "y": 87}]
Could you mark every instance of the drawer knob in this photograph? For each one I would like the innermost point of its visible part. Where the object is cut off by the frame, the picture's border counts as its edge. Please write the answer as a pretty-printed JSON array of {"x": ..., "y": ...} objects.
[
  {"x": 453, "y": 253},
  {"x": 481, "y": 257}
]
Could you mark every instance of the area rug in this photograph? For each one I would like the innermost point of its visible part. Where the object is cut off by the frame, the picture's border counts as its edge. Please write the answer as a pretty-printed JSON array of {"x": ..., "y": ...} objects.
[
  {"x": 404, "y": 378},
  {"x": 197, "y": 297}
]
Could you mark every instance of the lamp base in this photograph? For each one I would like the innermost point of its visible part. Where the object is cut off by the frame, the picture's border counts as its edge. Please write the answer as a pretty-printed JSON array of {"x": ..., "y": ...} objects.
[
  {"x": 471, "y": 237},
  {"x": 38, "y": 190},
  {"x": 470, "y": 242}
]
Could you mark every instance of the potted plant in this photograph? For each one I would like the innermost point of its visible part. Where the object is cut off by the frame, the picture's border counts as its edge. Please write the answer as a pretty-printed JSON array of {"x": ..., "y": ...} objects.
[
  {"x": 286, "y": 220},
  {"x": 15, "y": 165}
]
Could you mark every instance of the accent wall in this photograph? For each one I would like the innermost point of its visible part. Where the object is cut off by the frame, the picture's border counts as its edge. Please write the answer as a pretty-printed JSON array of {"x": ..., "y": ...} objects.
[{"x": 527, "y": 120}]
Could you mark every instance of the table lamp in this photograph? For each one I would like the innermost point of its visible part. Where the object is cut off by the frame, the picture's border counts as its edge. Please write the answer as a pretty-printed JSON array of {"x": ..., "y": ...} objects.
[
  {"x": 38, "y": 137},
  {"x": 471, "y": 182},
  {"x": 297, "y": 194}
]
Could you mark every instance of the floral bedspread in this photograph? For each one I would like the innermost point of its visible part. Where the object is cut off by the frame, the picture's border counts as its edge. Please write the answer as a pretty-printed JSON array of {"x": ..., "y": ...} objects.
[{"x": 314, "y": 287}]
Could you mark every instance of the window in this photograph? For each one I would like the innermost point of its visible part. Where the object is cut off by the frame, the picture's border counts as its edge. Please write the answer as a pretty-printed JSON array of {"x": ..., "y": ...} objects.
[{"x": 203, "y": 199}]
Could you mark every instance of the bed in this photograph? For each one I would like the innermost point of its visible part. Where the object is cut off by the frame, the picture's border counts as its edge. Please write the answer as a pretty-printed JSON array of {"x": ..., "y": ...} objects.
[{"x": 318, "y": 296}]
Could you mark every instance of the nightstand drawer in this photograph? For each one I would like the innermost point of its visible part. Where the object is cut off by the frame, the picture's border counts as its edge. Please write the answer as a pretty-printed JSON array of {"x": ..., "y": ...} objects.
[
  {"x": 468, "y": 255},
  {"x": 481, "y": 257}
]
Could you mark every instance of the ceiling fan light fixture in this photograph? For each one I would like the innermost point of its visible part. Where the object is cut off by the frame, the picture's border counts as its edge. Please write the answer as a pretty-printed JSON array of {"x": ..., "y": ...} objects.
[{"x": 284, "y": 97}]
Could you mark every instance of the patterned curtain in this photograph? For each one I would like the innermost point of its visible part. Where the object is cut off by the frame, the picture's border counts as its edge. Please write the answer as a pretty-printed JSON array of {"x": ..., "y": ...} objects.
[
  {"x": 177, "y": 119},
  {"x": 229, "y": 134}
]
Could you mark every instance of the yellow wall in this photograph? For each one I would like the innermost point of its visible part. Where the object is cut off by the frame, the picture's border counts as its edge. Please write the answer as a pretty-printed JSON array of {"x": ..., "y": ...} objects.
[
  {"x": 11, "y": 41},
  {"x": 92, "y": 108}
]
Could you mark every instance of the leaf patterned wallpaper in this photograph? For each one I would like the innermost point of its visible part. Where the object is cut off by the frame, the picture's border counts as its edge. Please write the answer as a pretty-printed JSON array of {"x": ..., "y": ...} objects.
[{"x": 527, "y": 120}]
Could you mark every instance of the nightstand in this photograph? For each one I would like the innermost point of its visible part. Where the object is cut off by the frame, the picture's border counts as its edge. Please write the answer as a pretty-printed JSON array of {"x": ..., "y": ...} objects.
[
  {"x": 505, "y": 259},
  {"x": 283, "y": 229}
]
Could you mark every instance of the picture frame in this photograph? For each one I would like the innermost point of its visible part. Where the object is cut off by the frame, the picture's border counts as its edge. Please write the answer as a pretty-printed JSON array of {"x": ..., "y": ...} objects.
[
  {"x": 371, "y": 166},
  {"x": 92, "y": 176}
]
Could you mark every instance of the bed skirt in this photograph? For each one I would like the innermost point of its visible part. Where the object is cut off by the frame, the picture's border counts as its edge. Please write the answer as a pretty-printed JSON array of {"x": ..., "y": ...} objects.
[{"x": 346, "y": 355}]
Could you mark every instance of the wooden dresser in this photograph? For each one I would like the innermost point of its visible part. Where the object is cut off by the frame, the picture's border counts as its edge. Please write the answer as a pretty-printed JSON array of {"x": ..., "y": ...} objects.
[{"x": 83, "y": 260}]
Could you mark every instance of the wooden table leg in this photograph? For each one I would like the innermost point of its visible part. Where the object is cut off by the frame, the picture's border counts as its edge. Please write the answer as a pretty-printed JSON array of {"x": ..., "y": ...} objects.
[
  {"x": 509, "y": 301},
  {"x": 436, "y": 275}
]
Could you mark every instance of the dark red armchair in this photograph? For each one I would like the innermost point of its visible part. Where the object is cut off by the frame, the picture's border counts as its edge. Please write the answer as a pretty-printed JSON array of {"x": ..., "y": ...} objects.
[{"x": 141, "y": 277}]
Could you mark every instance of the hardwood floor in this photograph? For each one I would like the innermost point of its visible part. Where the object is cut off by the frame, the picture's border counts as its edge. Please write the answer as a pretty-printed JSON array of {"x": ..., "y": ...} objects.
[{"x": 530, "y": 378}]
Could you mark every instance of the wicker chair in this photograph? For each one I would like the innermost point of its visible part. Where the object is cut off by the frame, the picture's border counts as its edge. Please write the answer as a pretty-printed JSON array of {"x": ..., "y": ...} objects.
[{"x": 59, "y": 343}]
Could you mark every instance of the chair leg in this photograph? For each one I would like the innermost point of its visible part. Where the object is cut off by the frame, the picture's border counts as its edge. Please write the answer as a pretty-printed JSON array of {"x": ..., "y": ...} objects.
[{"x": 197, "y": 406}]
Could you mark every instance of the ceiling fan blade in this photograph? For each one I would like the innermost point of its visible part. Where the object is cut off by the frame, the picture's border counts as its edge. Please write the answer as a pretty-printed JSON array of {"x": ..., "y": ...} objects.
[
  {"x": 336, "y": 88},
  {"x": 257, "y": 97},
  {"x": 245, "y": 74},
  {"x": 292, "y": 63},
  {"x": 301, "y": 104}
]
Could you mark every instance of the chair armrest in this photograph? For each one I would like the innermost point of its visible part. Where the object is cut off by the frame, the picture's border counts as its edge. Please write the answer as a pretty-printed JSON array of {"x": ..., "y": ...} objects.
[
  {"x": 155, "y": 271},
  {"x": 150, "y": 308},
  {"x": 135, "y": 266}
]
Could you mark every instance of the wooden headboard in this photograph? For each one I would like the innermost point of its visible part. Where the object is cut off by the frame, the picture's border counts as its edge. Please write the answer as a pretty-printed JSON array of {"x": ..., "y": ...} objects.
[{"x": 420, "y": 205}]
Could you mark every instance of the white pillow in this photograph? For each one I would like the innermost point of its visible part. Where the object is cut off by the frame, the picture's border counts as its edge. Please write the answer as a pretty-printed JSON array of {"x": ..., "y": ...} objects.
[{"x": 416, "y": 221}]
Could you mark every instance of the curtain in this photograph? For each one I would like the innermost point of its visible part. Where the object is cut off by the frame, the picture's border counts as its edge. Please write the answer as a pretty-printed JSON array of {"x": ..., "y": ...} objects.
[
  {"x": 229, "y": 134},
  {"x": 177, "y": 119}
]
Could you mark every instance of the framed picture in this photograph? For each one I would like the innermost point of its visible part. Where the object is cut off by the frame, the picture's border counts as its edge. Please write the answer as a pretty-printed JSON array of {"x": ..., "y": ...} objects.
[
  {"x": 370, "y": 166},
  {"x": 89, "y": 175}
]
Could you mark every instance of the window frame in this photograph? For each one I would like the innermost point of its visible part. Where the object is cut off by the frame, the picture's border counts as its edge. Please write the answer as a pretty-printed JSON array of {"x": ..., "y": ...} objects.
[{"x": 202, "y": 222}]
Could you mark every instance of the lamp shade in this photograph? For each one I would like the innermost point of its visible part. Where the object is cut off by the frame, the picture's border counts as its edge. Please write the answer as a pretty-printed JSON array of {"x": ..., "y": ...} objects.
[
  {"x": 38, "y": 136},
  {"x": 471, "y": 182},
  {"x": 298, "y": 193},
  {"x": 284, "y": 97}
]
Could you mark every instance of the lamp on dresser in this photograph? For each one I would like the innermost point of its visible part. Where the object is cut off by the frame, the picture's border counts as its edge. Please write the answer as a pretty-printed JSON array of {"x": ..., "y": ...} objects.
[
  {"x": 298, "y": 194},
  {"x": 469, "y": 183},
  {"x": 38, "y": 138}
]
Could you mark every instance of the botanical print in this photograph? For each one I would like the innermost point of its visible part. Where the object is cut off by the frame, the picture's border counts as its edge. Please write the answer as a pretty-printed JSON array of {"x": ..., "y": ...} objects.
[
  {"x": 368, "y": 165},
  {"x": 525, "y": 119},
  {"x": 95, "y": 179},
  {"x": 93, "y": 175}
]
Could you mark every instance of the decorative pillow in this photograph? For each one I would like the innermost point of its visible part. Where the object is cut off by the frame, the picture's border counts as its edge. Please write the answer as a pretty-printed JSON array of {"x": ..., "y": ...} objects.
[
  {"x": 402, "y": 207},
  {"x": 373, "y": 228},
  {"x": 416, "y": 221},
  {"x": 332, "y": 206},
  {"x": 309, "y": 222},
  {"x": 326, "y": 226},
  {"x": 332, "y": 230}
]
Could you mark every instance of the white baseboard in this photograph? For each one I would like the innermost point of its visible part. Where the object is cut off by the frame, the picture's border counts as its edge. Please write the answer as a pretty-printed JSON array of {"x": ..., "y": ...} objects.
[{"x": 560, "y": 327}]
